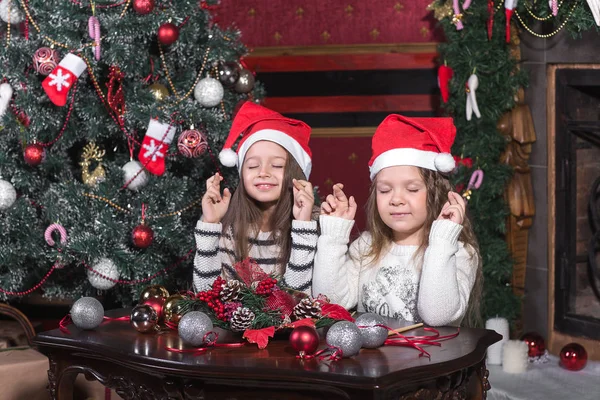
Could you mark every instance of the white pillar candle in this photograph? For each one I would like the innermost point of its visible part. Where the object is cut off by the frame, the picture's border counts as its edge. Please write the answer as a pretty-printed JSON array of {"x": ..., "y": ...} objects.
[
  {"x": 494, "y": 352},
  {"x": 514, "y": 356}
]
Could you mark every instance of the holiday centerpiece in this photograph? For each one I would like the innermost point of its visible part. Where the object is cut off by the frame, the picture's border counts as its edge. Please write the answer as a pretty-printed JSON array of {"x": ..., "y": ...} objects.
[{"x": 257, "y": 305}]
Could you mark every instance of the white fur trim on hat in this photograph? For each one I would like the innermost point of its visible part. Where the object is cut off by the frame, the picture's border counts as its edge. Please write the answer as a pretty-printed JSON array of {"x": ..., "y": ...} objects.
[
  {"x": 444, "y": 162},
  {"x": 228, "y": 158},
  {"x": 409, "y": 156},
  {"x": 282, "y": 139}
]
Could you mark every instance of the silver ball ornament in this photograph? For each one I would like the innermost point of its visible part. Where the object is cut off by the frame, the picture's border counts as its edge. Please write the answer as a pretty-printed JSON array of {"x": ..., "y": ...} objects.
[
  {"x": 107, "y": 268},
  {"x": 208, "y": 92},
  {"x": 245, "y": 82},
  {"x": 87, "y": 313},
  {"x": 11, "y": 12},
  {"x": 193, "y": 328},
  {"x": 131, "y": 169},
  {"x": 8, "y": 195},
  {"x": 144, "y": 318},
  {"x": 345, "y": 336},
  {"x": 372, "y": 336}
]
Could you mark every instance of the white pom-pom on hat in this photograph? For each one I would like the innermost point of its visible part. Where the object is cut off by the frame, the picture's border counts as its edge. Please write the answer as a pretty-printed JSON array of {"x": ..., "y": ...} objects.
[
  {"x": 228, "y": 158},
  {"x": 444, "y": 162}
]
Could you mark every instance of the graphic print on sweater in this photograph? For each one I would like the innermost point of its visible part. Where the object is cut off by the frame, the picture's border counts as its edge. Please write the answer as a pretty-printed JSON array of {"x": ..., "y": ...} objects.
[{"x": 393, "y": 293}]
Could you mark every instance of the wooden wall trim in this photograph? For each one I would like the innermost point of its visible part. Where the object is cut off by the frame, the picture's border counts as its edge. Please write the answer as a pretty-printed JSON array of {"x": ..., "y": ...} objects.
[
  {"x": 277, "y": 51},
  {"x": 360, "y": 131}
]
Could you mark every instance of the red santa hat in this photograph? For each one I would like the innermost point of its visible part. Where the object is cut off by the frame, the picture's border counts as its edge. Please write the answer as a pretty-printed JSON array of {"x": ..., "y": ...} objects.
[
  {"x": 420, "y": 142},
  {"x": 253, "y": 123}
]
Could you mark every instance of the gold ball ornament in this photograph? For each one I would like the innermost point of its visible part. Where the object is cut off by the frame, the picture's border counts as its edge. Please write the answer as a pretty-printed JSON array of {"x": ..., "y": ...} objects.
[
  {"x": 172, "y": 308},
  {"x": 159, "y": 91},
  {"x": 153, "y": 292}
]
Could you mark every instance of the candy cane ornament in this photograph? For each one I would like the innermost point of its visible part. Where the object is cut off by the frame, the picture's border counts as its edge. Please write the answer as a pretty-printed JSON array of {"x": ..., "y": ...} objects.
[
  {"x": 471, "y": 87},
  {"x": 457, "y": 18},
  {"x": 94, "y": 31},
  {"x": 474, "y": 183},
  {"x": 62, "y": 232}
]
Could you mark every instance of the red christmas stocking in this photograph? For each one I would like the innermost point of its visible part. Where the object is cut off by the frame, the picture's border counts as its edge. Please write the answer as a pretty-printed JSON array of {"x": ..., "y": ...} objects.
[
  {"x": 61, "y": 79},
  {"x": 155, "y": 146},
  {"x": 509, "y": 7},
  {"x": 444, "y": 76}
]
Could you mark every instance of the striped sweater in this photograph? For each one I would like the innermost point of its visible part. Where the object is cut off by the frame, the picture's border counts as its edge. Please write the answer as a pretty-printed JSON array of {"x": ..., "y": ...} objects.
[{"x": 215, "y": 254}]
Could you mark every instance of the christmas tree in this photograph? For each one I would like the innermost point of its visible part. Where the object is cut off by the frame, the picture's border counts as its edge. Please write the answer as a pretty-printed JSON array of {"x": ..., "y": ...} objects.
[{"x": 111, "y": 115}]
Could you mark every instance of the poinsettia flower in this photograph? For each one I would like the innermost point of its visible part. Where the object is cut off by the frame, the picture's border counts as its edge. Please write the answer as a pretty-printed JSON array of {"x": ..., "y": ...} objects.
[
  {"x": 259, "y": 336},
  {"x": 335, "y": 311},
  {"x": 302, "y": 322}
]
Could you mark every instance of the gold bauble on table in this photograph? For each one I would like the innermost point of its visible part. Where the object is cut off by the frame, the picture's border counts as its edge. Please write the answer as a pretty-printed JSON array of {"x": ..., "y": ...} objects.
[
  {"x": 153, "y": 292},
  {"x": 159, "y": 91},
  {"x": 172, "y": 308}
]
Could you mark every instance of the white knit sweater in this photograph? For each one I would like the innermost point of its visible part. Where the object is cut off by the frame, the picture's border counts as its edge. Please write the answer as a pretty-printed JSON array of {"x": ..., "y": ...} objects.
[
  {"x": 437, "y": 294},
  {"x": 215, "y": 251}
]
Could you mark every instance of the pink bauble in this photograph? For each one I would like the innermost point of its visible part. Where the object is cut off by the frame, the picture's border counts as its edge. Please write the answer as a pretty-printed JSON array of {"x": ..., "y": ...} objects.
[
  {"x": 45, "y": 60},
  {"x": 192, "y": 143}
]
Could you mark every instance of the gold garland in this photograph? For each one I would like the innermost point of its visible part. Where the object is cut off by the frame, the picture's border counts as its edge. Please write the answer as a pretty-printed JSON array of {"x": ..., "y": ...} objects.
[
  {"x": 48, "y": 38},
  {"x": 168, "y": 75},
  {"x": 543, "y": 36},
  {"x": 148, "y": 217}
]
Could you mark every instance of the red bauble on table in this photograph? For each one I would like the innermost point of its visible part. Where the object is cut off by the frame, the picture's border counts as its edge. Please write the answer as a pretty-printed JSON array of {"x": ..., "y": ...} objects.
[
  {"x": 34, "y": 154},
  {"x": 536, "y": 344},
  {"x": 573, "y": 357},
  {"x": 168, "y": 33},
  {"x": 305, "y": 340},
  {"x": 143, "y": 7},
  {"x": 142, "y": 236}
]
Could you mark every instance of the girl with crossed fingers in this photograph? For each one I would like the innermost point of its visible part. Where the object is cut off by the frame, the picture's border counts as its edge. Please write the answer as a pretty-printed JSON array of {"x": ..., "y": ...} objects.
[
  {"x": 419, "y": 260},
  {"x": 269, "y": 218}
]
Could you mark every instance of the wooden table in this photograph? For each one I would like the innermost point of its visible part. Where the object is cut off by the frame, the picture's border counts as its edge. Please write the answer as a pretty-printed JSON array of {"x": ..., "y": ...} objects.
[{"x": 138, "y": 366}]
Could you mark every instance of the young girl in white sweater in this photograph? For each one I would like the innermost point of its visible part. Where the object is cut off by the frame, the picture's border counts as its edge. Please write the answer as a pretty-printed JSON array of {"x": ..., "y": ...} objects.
[
  {"x": 268, "y": 218},
  {"x": 419, "y": 259}
]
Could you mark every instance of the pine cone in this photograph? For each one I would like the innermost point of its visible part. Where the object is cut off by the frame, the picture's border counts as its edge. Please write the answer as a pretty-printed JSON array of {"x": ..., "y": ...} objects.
[
  {"x": 231, "y": 291},
  {"x": 241, "y": 319},
  {"x": 307, "y": 308}
]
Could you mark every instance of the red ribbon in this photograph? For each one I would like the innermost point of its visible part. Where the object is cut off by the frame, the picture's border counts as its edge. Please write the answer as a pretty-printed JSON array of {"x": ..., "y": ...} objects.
[
  {"x": 124, "y": 318},
  {"x": 210, "y": 339},
  {"x": 398, "y": 339},
  {"x": 62, "y": 325}
]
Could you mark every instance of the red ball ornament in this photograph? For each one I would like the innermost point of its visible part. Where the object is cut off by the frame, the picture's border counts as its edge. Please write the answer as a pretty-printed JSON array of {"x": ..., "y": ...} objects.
[
  {"x": 143, "y": 7},
  {"x": 305, "y": 340},
  {"x": 34, "y": 154},
  {"x": 573, "y": 357},
  {"x": 168, "y": 33},
  {"x": 142, "y": 236},
  {"x": 536, "y": 344},
  {"x": 157, "y": 303}
]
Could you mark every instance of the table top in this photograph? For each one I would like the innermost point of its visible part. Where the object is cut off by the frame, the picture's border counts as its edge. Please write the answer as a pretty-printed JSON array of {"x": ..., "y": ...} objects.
[{"x": 119, "y": 342}]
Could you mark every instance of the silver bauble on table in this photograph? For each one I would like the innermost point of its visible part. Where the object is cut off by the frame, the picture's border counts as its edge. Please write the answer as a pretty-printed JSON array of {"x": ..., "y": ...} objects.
[
  {"x": 87, "y": 313},
  {"x": 345, "y": 336},
  {"x": 193, "y": 328},
  {"x": 372, "y": 335},
  {"x": 144, "y": 318}
]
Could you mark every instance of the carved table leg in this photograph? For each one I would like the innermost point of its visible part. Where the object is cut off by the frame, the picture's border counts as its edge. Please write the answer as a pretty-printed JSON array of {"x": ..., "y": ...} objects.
[{"x": 60, "y": 380}]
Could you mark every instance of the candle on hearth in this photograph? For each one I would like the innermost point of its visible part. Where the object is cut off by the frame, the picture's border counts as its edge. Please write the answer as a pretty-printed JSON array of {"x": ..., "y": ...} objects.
[
  {"x": 494, "y": 353},
  {"x": 514, "y": 356}
]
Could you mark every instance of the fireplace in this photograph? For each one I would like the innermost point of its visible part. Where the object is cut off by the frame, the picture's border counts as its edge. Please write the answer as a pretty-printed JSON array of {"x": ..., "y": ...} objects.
[{"x": 574, "y": 204}]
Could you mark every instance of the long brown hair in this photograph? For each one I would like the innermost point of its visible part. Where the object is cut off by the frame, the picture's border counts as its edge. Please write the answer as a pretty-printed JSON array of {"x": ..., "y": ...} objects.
[
  {"x": 437, "y": 186},
  {"x": 244, "y": 217}
]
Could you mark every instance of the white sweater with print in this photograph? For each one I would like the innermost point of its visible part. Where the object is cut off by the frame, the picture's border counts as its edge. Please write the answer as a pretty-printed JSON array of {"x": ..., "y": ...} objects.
[
  {"x": 437, "y": 294},
  {"x": 215, "y": 250}
]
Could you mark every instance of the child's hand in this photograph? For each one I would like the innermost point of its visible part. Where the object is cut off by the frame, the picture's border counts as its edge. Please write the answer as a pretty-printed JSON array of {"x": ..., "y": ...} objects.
[
  {"x": 214, "y": 206},
  {"x": 338, "y": 205},
  {"x": 304, "y": 200},
  {"x": 454, "y": 209}
]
